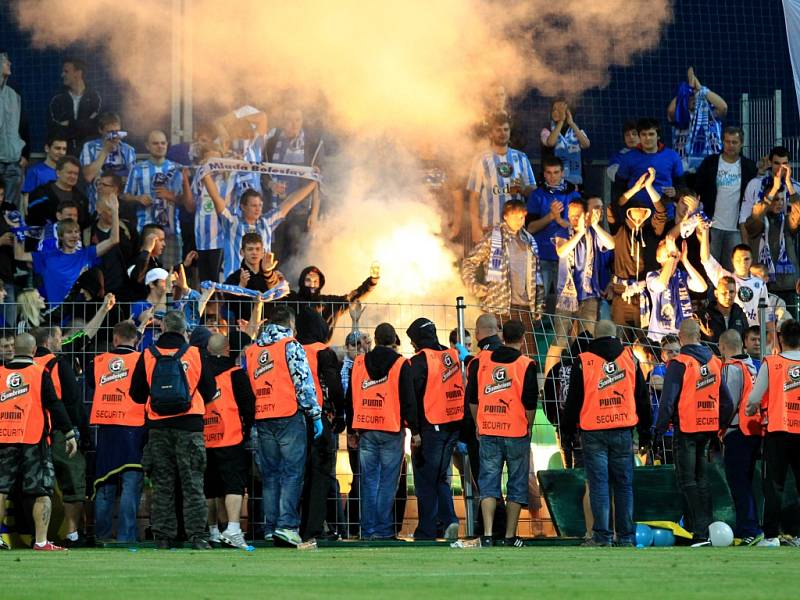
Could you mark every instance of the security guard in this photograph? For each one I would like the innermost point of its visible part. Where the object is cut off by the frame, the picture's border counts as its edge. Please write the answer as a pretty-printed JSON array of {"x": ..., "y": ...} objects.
[
  {"x": 226, "y": 427},
  {"x": 121, "y": 435},
  {"x": 380, "y": 403},
  {"x": 439, "y": 389},
  {"x": 28, "y": 407},
  {"x": 695, "y": 401},
  {"x": 502, "y": 390},
  {"x": 176, "y": 444},
  {"x": 607, "y": 398},
  {"x": 778, "y": 383}
]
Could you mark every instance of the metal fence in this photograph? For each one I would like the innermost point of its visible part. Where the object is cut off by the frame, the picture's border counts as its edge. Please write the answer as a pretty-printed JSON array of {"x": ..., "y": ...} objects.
[{"x": 549, "y": 448}]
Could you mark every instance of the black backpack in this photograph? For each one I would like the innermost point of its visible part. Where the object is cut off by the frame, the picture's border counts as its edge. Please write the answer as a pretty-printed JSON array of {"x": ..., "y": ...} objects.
[{"x": 169, "y": 390}]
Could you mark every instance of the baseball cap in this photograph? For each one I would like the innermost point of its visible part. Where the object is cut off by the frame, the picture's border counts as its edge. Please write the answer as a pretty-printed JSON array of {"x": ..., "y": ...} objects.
[{"x": 155, "y": 275}]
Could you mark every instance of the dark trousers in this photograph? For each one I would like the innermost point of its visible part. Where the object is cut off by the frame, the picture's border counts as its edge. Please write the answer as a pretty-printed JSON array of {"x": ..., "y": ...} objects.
[
  {"x": 434, "y": 499},
  {"x": 691, "y": 470},
  {"x": 740, "y": 454},
  {"x": 781, "y": 452},
  {"x": 317, "y": 484}
]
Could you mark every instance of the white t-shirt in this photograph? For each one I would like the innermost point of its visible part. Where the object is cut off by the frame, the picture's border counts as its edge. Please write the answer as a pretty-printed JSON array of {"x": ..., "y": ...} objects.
[
  {"x": 729, "y": 182},
  {"x": 749, "y": 290}
]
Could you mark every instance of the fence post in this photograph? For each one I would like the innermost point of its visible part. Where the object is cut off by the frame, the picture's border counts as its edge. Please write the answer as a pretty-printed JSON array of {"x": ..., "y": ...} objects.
[
  {"x": 467, "y": 474},
  {"x": 778, "y": 114},
  {"x": 762, "y": 322},
  {"x": 745, "y": 112}
]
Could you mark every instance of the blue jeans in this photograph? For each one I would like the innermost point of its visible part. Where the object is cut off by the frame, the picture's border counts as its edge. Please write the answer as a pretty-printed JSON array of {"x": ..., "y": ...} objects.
[
  {"x": 434, "y": 498},
  {"x": 740, "y": 452},
  {"x": 282, "y": 458},
  {"x": 549, "y": 272},
  {"x": 608, "y": 460},
  {"x": 131, "y": 481},
  {"x": 11, "y": 173},
  {"x": 379, "y": 455}
]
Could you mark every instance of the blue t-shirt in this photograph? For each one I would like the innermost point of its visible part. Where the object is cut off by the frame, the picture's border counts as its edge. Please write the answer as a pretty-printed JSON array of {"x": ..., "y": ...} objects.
[
  {"x": 37, "y": 175},
  {"x": 635, "y": 163},
  {"x": 539, "y": 202},
  {"x": 60, "y": 271}
]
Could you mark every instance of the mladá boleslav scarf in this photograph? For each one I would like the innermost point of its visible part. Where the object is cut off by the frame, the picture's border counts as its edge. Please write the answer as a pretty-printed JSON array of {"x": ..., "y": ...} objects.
[{"x": 783, "y": 265}]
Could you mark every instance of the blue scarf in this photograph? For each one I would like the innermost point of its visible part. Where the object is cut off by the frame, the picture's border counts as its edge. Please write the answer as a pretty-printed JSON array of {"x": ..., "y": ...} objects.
[
  {"x": 783, "y": 266},
  {"x": 700, "y": 132}
]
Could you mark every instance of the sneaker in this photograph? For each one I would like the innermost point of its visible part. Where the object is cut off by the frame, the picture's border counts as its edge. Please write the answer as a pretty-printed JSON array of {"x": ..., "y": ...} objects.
[
  {"x": 486, "y": 541},
  {"x": 79, "y": 543},
  {"x": 451, "y": 533},
  {"x": 788, "y": 540},
  {"x": 3, "y": 545},
  {"x": 290, "y": 536},
  {"x": 751, "y": 540},
  {"x": 48, "y": 547},
  {"x": 769, "y": 543},
  {"x": 268, "y": 537},
  {"x": 514, "y": 542},
  {"x": 235, "y": 540},
  {"x": 200, "y": 544},
  {"x": 214, "y": 537},
  {"x": 592, "y": 543}
]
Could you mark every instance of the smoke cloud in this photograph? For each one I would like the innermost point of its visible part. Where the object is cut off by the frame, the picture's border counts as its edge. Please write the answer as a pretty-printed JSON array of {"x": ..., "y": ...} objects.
[{"x": 391, "y": 75}]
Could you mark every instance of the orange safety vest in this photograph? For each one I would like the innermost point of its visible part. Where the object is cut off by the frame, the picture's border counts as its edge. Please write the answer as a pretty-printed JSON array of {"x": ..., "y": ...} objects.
[
  {"x": 609, "y": 401},
  {"x": 222, "y": 425},
  {"x": 192, "y": 366},
  {"x": 55, "y": 372},
  {"x": 500, "y": 409},
  {"x": 747, "y": 425},
  {"x": 22, "y": 418},
  {"x": 112, "y": 403},
  {"x": 312, "y": 351},
  {"x": 698, "y": 407},
  {"x": 376, "y": 403},
  {"x": 783, "y": 394},
  {"x": 444, "y": 390},
  {"x": 272, "y": 383}
]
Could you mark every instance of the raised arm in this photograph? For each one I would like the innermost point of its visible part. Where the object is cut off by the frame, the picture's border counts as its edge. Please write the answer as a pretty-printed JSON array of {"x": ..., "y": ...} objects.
[
  {"x": 606, "y": 239},
  {"x": 295, "y": 198},
  {"x": 564, "y": 247},
  {"x": 556, "y": 210},
  {"x": 697, "y": 282},
  {"x": 93, "y": 326},
  {"x": 583, "y": 139}
]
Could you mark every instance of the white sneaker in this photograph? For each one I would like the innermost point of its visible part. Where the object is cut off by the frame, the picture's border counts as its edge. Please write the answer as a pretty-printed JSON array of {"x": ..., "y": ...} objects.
[
  {"x": 214, "y": 537},
  {"x": 769, "y": 543},
  {"x": 290, "y": 536},
  {"x": 235, "y": 540},
  {"x": 451, "y": 533}
]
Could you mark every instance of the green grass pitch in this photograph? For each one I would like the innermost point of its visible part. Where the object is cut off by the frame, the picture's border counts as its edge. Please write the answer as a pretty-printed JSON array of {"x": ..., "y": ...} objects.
[{"x": 426, "y": 572}]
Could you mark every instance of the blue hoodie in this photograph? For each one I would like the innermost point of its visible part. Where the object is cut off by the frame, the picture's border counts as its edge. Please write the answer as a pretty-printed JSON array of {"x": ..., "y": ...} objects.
[{"x": 673, "y": 382}]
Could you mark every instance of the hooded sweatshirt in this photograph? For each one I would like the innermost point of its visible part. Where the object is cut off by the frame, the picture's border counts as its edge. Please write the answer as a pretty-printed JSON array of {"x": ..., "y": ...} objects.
[
  {"x": 422, "y": 333},
  {"x": 330, "y": 306},
  {"x": 379, "y": 362},
  {"x": 673, "y": 382},
  {"x": 607, "y": 348},
  {"x": 312, "y": 329}
]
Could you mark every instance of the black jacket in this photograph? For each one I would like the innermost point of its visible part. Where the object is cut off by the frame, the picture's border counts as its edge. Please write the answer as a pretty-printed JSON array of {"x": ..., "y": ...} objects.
[
  {"x": 59, "y": 418},
  {"x": 43, "y": 201},
  {"x": 556, "y": 382},
  {"x": 706, "y": 181},
  {"x": 71, "y": 394},
  {"x": 140, "y": 387},
  {"x": 330, "y": 306},
  {"x": 607, "y": 348},
  {"x": 77, "y": 130},
  {"x": 506, "y": 355},
  {"x": 379, "y": 362},
  {"x": 242, "y": 391},
  {"x": 716, "y": 321},
  {"x": 423, "y": 333},
  {"x": 314, "y": 330}
]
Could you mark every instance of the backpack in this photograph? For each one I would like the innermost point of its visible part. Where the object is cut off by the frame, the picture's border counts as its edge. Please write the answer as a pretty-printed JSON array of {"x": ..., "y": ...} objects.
[{"x": 169, "y": 390}]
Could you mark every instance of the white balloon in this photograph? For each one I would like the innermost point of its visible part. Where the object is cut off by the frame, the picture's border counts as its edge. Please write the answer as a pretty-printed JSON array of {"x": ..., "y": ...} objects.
[{"x": 720, "y": 534}]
